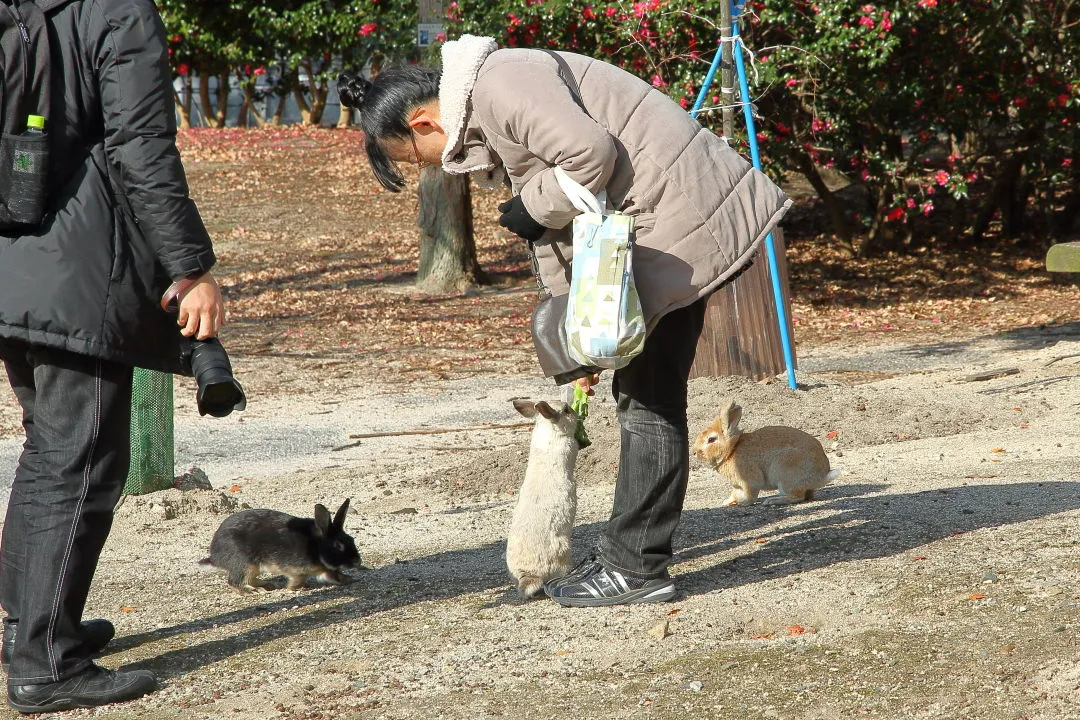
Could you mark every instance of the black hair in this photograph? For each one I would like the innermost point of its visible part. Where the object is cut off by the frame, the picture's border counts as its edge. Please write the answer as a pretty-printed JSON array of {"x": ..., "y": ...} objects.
[{"x": 384, "y": 105}]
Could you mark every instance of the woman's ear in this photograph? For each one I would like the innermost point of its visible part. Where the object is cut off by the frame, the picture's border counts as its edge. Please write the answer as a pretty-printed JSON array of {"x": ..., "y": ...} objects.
[{"x": 426, "y": 118}]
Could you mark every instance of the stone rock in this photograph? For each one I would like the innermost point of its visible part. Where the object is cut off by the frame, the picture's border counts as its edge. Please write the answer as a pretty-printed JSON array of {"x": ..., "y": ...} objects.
[
  {"x": 194, "y": 479},
  {"x": 660, "y": 630}
]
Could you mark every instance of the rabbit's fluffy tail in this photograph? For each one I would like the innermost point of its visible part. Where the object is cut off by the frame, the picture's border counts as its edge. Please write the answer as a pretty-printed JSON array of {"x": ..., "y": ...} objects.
[
  {"x": 529, "y": 585},
  {"x": 833, "y": 474}
]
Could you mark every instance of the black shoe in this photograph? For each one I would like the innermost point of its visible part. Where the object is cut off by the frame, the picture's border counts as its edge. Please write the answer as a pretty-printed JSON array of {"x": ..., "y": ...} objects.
[
  {"x": 602, "y": 587},
  {"x": 92, "y": 687},
  {"x": 583, "y": 569},
  {"x": 96, "y": 635}
]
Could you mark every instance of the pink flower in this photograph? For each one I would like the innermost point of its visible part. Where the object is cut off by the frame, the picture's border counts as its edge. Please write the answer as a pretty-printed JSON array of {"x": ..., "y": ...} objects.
[
  {"x": 819, "y": 125},
  {"x": 867, "y": 21},
  {"x": 259, "y": 71},
  {"x": 684, "y": 103},
  {"x": 894, "y": 215},
  {"x": 928, "y": 207},
  {"x": 440, "y": 37},
  {"x": 588, "y": 13},
  {"x": 927, "y": 4},
  {"x": 366, "y": 29},
  {"x": 941, "y": 177},
  {"x": 910, "y": 202},
  {"x": 658, "y": 82},
  {"x": 791, "y": 82},
  {"x": 886, "y": 23},
  {"x": 639, "y": 9},
  {"x": 182, "y": 69},
  {"x": 1066, "y": 163},
  {"x": 609, "y": 11},
  {"x": 655, "y": 4},
  {"x": 864, "y": 175}
]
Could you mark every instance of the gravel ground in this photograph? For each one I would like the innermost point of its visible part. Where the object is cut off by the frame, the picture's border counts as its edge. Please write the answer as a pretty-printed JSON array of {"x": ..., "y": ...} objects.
[{"x": 937, "y": 578}]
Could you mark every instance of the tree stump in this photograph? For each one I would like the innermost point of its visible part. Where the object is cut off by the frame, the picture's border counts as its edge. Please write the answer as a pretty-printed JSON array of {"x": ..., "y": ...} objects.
[{"x": 447, "y": 249}]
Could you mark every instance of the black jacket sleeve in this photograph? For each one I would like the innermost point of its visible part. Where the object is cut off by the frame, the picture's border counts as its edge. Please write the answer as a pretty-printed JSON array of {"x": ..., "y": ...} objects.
[{"x": 130, "y": 63}]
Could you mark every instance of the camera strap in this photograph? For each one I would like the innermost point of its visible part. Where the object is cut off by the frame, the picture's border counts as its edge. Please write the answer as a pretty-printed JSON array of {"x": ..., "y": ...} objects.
[{"x": 170, "y": 301}]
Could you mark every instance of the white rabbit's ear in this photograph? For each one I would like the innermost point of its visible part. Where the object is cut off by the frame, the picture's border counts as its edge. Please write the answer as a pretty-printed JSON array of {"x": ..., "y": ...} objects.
[
  {"x": 322, "y": 520},
  {"x": 525, "y": 407},
  {"x": 731, "y": 416},
  {"x": 546, "y": 410},
  {"x": 339, "y": 517}
]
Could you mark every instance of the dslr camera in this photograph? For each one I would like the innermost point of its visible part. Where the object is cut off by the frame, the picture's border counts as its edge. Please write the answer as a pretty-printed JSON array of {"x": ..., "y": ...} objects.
[{"x": 219, "y": 392}]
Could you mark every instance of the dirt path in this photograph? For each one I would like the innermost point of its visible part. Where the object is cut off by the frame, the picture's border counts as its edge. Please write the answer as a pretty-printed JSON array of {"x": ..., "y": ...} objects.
[{"x": 937, "y": 578}]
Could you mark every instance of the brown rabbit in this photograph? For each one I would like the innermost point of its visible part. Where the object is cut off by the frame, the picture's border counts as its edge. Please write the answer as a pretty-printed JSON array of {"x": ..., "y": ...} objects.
[{"x": 772, "y": 458}]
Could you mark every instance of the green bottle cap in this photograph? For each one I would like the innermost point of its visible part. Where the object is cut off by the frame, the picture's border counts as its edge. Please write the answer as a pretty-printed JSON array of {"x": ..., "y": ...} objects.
[{"x": 35, "y": 121}]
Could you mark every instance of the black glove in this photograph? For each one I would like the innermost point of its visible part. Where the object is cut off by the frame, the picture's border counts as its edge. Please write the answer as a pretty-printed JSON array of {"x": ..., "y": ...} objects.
[{"x": 517, "y": 220}]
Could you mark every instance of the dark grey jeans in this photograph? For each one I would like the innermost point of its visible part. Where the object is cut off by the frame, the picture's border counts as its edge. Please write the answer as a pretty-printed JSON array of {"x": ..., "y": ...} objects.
[
  {"x": 654, "y": 453},
  {"x": 77, "y": 418}
]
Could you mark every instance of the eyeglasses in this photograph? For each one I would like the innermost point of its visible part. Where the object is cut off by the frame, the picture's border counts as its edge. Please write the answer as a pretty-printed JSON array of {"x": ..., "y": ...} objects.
[{"x": 420, "y": 164}]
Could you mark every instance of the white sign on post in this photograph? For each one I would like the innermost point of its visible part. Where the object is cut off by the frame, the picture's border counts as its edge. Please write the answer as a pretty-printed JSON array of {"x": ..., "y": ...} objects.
[{"x": 431, "y": 22}]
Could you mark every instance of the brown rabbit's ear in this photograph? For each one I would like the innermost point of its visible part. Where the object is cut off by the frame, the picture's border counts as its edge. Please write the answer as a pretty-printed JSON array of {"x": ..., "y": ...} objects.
[
  {"x": 730, "y": 417},
  {"x": 525, "y": 407},
  {"x": 546, "y": 410},
  {"x": 322, "y": 520},
  {"x": 339, "y": 517}
]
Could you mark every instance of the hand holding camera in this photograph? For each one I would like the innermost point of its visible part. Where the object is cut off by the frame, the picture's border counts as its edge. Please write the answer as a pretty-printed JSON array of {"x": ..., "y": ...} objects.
[
  {"x": 202, "y": 311},
  {"x": 200, "y": 315}
]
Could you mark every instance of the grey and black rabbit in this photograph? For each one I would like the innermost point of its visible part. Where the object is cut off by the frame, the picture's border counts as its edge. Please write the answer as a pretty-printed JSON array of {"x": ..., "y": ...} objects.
[{"x": 252, "y": 542}]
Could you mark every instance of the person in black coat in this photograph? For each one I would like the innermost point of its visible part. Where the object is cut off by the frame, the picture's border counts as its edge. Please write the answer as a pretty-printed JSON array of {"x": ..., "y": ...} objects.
[{"x": 79, "y": 308}]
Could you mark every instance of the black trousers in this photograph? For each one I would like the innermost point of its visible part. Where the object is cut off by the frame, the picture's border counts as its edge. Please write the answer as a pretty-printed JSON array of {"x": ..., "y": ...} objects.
[
  {"x": 77, "y": 418},
  {"x": 654, "y": 452}
]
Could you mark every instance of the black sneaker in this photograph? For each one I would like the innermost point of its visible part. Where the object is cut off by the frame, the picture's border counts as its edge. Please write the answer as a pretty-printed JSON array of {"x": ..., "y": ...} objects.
[
  {"x": 96, "y": 635},
  {"x": 602, "y": 587},
  {"x": 584, "y": 568},
  {"x": 92, "y": 687}
]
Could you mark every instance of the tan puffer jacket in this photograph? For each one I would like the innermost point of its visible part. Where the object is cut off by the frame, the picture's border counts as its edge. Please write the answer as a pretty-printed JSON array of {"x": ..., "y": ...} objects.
[{"x": 701, "y": 209}]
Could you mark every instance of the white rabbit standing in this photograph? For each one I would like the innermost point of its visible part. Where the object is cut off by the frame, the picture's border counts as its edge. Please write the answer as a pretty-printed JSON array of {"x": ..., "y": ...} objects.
[
  {"x": 538, "y": 547},
  {"x": 775, "y": 457}
]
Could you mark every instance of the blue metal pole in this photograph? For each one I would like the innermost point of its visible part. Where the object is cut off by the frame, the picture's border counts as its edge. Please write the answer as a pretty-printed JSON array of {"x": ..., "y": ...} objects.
[
  {"x": 708, "y": 81},
  {"x": 755, "y": 158}
]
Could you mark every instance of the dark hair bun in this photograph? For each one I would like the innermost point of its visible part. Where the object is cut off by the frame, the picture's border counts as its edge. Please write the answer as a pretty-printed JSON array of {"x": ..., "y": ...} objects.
[{"x": 352, "y": 87}]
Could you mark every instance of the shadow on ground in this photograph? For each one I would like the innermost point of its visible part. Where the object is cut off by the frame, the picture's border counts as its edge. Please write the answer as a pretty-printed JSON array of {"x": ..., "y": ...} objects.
[{"x": 858, "y": 527}]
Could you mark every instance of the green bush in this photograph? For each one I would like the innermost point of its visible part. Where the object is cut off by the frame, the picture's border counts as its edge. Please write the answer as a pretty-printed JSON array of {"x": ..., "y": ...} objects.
[{"x": 949, "y": 113}]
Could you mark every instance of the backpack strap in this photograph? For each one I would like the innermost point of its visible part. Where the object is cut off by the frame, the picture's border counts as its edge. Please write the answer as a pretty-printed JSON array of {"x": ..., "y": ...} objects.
[{"x": 568, "y": 77}]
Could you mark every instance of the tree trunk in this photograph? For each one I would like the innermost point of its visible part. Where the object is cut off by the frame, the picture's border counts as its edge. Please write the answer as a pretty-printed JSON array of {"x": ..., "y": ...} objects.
[
  {"x": 188, "y": 98},
  {"x": 885, "y": 235},
  {"x": 1066, "y": 219},
  {"x": 204, "y": 99},
  {"x": 249, "y": 107},
  {"x": 998, "y": 196},
  {"x": 279, "y": 112},
  {"x": 302, "y": 103},
  {"x": 344, "y": 119},
  {"x": 184, "y": 109},
  {"x": 447, "y": 250},
  {"x": 805, "y": 165},
  {"x": 221, "y": 115}
]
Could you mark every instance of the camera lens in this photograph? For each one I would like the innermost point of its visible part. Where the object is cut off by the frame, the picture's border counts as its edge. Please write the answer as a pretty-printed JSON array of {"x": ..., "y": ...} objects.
[{"x": 219, "y": 392}]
